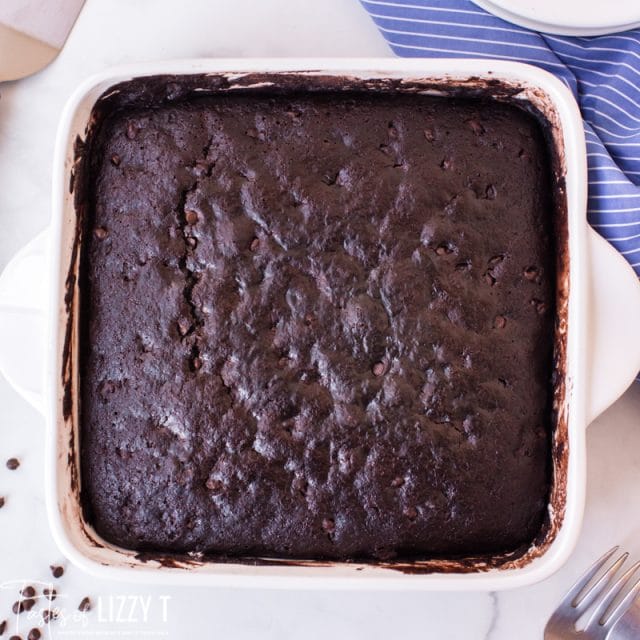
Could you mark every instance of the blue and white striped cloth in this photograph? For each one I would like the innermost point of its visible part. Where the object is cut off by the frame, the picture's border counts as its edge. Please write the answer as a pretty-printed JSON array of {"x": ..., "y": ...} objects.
[{"x": 602, "y": 71}]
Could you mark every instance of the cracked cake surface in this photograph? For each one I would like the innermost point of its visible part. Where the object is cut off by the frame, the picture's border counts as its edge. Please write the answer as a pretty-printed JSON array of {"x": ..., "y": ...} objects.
[{"x": 318, "y": 326}]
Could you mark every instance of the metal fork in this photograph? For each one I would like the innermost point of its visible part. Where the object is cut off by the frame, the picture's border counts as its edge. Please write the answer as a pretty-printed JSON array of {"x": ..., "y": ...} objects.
[{"x": 609, "y": 613}]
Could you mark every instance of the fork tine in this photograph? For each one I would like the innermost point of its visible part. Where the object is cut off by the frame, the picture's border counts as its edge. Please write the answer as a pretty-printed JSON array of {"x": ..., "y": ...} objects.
[
  {"x": 573, "y": 593},
  {"x": 602, "y": 614},
  {"x": 588, "y": 598},
  {"x": 625, "y": 603}
]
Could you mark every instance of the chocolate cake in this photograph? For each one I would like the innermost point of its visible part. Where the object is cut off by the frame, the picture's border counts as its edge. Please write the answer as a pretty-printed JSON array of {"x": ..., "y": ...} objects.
[{"x": 317, "y": 325}]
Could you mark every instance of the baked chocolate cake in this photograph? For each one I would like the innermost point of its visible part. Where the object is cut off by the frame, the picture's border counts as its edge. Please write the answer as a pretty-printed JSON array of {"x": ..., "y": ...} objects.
[{"x": 318, "y": 325}]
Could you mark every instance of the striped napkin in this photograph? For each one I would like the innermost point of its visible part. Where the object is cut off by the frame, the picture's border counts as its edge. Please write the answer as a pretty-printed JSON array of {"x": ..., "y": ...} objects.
[{"x": 603, "y": 72}]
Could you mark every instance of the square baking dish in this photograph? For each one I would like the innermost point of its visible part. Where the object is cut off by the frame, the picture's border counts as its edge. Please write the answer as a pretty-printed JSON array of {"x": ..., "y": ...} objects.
[{"x": 586, "y": 306}]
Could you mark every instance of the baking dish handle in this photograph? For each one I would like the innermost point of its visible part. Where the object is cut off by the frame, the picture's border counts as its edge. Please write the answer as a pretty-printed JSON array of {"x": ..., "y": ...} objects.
[
  {"x": 613, "y": 326},
  {"x": 23, "y": 298}
]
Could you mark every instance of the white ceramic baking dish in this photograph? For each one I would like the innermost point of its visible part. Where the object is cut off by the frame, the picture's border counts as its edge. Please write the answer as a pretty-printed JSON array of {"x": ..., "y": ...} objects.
[{"x": 598, "y": 316}]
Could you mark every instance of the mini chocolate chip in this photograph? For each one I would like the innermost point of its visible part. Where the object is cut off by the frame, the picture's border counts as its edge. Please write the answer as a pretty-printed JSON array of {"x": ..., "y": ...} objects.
[
  {"x": 446, "y": 164},
  {"x": 85, "y": 605},
  {"x": 328, "y": 525},
  {"x": 28, "y": 604},
  {"x": 115, "y": 160},
  {"x": 2, "y": 501},
  {"x": 3, "y": 627},
  {"x": 50, "y": 594},
  {"x": 500, "y": 322},
  {"x": 190, "y": 216},
  {"x": 57, "y": 571},
  {"x": 398, "y": 481},
  {"x": 15, "y": 638},
  {"x": 429, "y": 135},
  {"x": 100, "y": 232},
  {"x": 491, "y": 192},
  {"x": 378, "y": 368},
  {"x": 18, "y": 607},
  {"x": 132, "y": 131},
  {"x": 410, "y": 512},
  {"x": 255, "y": 243},
  {"x": 196, "y": 363},
  {"x": 541, "y": 307},
  {"x": 34, "y": 634},
  {"x": 28, "y": 592},
  {"x": 530, "y": 273},
  {"x": 13, "y": 464}
]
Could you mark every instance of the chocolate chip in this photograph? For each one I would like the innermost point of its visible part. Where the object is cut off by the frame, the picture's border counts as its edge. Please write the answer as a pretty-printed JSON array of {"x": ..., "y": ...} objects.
[
  {"x": 57, "y": 571},
  {"x": 28, "y": 592},
  {"x": 541, "y": 308},
  {"x": 328, "y": 525},
  {"x": 196, "y": 363},
  {"x": 100, "y": 232},
  {"x": 3, "y": 627},
  {"x": 500, "y": 322},
  {"x": 28, "y": 604},
  {"x": 18, "y": 607},
  {"x": 115, "y": 160},
  {"x": 13, "y": 464},
  {"x": 34, "y": 634},
  {"x": 410, "y": 512},
  {"x": 398, "y": 481},
  {"x": 392, "y": 131},
  {"x": 85, "y": 605},
  {"x": 491, "y": 192},
  {"x": 49, "y": 614},
  {"x": 192, "y": 242},
  {"x": 255, "y": 243},
  {"x": 429, "y": 135},
  {"x": 15, "y": 638},
  {"x": 530, "y": 273},
  {"x": 489, "y": 279},
  {"x": 378, "y": 368},
  {"x": 50, "y": 594},
  {"x": 2, "y": 501},
  {"x": 191, "y": 216},
  {"x": 132, "y": 131},
  {"x": 446, "y": 164}
]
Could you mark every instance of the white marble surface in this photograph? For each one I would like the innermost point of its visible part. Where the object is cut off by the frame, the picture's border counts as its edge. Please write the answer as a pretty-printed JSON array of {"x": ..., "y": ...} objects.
[{"x": 114, "y": 31}]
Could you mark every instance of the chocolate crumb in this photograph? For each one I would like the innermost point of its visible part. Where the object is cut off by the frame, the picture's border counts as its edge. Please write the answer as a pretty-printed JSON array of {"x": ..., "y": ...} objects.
[
  {"x": 85, "y": 604},
  {"x": 13, "y": 464}
]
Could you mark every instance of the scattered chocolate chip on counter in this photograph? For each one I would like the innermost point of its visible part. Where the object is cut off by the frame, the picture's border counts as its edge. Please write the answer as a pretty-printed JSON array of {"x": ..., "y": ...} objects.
[
  {"x": 2, "y": 501},
  {"x": 28, "y": 592},
  {"x": 13, "y": 464},
  {"x": 50, "y": 594},
  {"x": 85, "y": 604},
  {"x": 3, "y": 627},
  {"x": 57, "y": 571},
  {"x": 34, "y": 634}
]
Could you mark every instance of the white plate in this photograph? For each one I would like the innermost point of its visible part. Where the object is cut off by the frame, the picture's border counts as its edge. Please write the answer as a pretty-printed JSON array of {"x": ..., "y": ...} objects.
[{"x": 567, "y": 17}]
